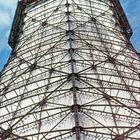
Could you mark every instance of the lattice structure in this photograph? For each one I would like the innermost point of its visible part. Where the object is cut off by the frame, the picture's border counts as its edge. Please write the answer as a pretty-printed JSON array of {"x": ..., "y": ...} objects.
[{"x": 72, "y": 75}]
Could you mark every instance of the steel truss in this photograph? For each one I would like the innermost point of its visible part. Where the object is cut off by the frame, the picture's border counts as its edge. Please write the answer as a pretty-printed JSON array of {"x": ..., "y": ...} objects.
[{"x": 72, "y": 75}]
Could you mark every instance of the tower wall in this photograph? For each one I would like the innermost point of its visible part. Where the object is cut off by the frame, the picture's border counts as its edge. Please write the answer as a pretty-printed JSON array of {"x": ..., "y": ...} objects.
[{"x": 72, "y": 75}]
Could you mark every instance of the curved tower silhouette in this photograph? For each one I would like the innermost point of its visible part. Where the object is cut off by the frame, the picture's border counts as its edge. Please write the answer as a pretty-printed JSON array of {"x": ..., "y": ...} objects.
[{"x": 73, "y": 73}]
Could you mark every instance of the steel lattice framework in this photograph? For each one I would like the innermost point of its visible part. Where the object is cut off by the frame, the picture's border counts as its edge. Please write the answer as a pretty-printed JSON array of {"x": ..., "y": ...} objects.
[{"x": 72, "y": 74}]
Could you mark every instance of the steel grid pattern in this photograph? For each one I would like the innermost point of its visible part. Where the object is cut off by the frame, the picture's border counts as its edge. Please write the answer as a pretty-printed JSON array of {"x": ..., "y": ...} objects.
[{"x": 73, "y": 75}]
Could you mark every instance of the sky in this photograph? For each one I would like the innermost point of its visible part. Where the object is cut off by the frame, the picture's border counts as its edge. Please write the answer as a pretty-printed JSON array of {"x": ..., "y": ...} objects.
[{"x": 7, "y": 10}]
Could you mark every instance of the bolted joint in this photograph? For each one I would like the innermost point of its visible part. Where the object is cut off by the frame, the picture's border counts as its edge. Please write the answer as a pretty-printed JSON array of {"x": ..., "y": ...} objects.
[
  {"x": 72, "y": 60},
  {"x": 128, "y": 31},
  {"x": 24, "y": 15},
  {"x": 76, "y": 75},
  {"x": 103, "y": 14},
  {"x": 6, "y": 134},
  {"x": 33, "y": 19},
  {"x": 93, "y": 67},
  {"x": 71, "y": 50},
  {"x": 79, "y": 8},
  {"x": 33, "y": 66},
  {"x": 107, "y": 97},
  {"x": 21, "y": 61},
  {"x": 69, "y": 21},
  {"x": 77, "y": 128},
  {"x": 68, "y": 32},
  {"x": 116, "y": 24},
  {"x": 93, "y": 19},
  {"x": 55, "y": 10},
  {"x": 68, "y": 13},
  {"x": 6, "y": 87},
  {"x": 42, "y": 103},
  {"x": 51, "y": 70},
  {"x": 111, "y": 59},
  {"x": 74, "y": 88},
  {"x": 89, "y": 45},
  {"x": 70, "y": 39},
  {"x": 44, "y": 23},
  {"x": 67, "y": 4},
  {"x": 75, "y": 107},
  {"x": 73, "y": 74},
  {"x": 21, "y": 31}
]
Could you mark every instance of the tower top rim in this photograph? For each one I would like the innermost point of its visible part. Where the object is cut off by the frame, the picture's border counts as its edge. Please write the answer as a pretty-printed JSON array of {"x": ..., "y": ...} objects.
[{"x": 23, "y": 3}]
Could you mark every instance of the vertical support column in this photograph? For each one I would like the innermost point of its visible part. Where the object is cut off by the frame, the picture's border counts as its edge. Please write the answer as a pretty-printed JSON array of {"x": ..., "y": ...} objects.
[{"x": 75, "y": 106}]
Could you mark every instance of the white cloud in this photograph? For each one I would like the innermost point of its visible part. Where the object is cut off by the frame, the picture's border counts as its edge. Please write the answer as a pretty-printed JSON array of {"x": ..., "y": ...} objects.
[
  {"x": 10, "y": 4},
  {"x": 4, "y": 19},
  {"x": 7, "y": 9}
]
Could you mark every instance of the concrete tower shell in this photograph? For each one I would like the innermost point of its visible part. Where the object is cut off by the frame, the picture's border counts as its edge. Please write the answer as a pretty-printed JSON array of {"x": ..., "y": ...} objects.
[{"x": 72, "y": 74}]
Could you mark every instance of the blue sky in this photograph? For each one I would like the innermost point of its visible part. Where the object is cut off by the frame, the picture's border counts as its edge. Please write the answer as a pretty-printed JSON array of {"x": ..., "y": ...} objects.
[{"x": 7, "y": 9}]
